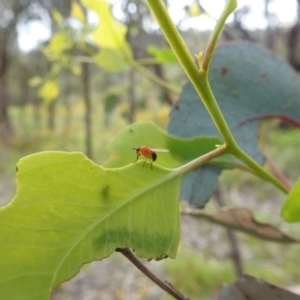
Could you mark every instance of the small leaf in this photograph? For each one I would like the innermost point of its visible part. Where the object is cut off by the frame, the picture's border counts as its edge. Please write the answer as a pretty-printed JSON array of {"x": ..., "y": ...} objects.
[
  {"x": 109, "y": 33},
  {"x": 291, "y": 207},
  {"x": 249, "y": 287},
  {"x": 69, "y": 211},
  {"x": 75, "y": 69},
  {"x": 56, "y": 16},
  {"x": 35, "y": 81},
  {"x": 76, "y": 12},
  {"x": 195, "y": 9},
  {"x": 110, "y": 60},
  {"x": 242, "y": 219},
  {"x": 49, "y": 90},
  {"x": 162, "y": 55},
  {"x": 110, "y": 103},
  {"x": 60, "y": 42}
]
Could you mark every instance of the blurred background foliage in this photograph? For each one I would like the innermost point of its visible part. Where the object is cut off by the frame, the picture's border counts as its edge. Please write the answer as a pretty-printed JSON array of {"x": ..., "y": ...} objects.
[{"x": 74, "y": 73}]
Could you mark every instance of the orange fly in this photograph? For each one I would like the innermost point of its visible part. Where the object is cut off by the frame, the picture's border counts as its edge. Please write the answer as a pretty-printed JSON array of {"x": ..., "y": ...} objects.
[{"x": 148, "y": 153}]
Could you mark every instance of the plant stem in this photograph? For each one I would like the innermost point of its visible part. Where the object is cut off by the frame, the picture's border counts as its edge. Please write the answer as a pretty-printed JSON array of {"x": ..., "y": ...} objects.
[
  {"x": 199, "y": 161},
  {"x": 259, "y": 170},
  {"x": 139, "y": 68},
  {"x": 165, "y": 286},
  {"x": 198, "y": 79},
  {"x": 153, "y": 77},
  {"x": 201, "y": 83},
  {"x": 229, "y": 8},
  {"x": 235, "y": 252}
]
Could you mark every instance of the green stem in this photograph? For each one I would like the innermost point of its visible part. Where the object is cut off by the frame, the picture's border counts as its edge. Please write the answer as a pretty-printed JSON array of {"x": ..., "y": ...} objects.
[
  {"x": 200, "y": 80},
  {"x": 153, "y": 77},
  {"x": 199, "y": 161},
  {"x": 137, "y": 66},
  {"x": 228, "y": 9},
  {"x": 259, "y": 170}
]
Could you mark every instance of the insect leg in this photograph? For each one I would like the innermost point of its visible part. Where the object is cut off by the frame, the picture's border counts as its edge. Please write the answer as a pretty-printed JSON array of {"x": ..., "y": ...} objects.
[
  {"x": 137, "y": 157},
  {"x": 145, "y": 162}
]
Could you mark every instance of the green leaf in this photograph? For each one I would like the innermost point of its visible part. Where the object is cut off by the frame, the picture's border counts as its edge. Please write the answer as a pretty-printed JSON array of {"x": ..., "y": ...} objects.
[
  {"x": 60, "y": 42},
  {"x": 110, "y": 60},
  {"x": 181, "y": 151},
  {"x": 148, "y": 134},
  {"x": 69, "y": 211},
  {"x": 109, "y": 33},
  {"x": 35, "y": 81},
  {"x": 162, "y": 55},
  {"x": 77, "y": 12},
  {"x": 49, "y": 90},
  {"x": 250, "y": 84},
  {"x": 110, "y": 103},
  {"x": 291, "y": 207}
]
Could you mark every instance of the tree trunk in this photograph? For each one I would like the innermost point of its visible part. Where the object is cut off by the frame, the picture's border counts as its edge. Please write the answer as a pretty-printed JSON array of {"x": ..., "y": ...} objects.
[
  {"x": 87, "y": 101},
  {"x": 159, "y": 72},
  {"x": 293, "y": 43},
  {"x": 5, "y": 124},
  {"x": 132, "y": 97},
  {"x": 51, "y": 115},
  {"x": 6, "y": 33}
]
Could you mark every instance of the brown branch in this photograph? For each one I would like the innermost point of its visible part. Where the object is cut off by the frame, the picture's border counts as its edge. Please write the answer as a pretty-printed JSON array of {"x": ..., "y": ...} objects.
[
  {"x": 235, "y": 253},
  {"x": 166, "y": 286},
  {"x": 275, "y": 169}
]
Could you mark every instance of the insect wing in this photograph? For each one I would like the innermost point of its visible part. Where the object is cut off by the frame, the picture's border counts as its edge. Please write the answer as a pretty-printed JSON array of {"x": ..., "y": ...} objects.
[{"x": 159, "y": 150}]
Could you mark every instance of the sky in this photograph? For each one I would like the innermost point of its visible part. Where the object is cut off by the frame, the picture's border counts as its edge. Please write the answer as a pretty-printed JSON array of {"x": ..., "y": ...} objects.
[
  {"x": 30, "y": 35},
  {"x": 285, "y": 11}
]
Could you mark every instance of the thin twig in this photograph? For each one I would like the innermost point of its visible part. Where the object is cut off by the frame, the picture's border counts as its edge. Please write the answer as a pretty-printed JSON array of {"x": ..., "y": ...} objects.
[
  {"x": 275, "y": 169},
  {"x": 235, "y": 253},
  {"x": 167, "y": 287}
]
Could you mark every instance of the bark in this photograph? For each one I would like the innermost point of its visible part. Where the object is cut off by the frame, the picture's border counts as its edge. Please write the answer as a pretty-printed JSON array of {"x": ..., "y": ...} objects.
[
  {"x": 270, "y": 30},
  {"x": 6, "y": 33},
  {"x": 293, "y": 43},
  {"x": 132, "y": 96},
  {"x": 51, "y": 115},
  {"x": 159, "y": 72},
  {"x": 87, "y": 101}
]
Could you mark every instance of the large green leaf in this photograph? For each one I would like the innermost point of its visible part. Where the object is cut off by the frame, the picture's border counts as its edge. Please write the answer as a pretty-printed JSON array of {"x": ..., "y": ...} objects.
[
  {"x": 181, "y": 151},
  {"x": 291, "y": 207},
  {"x": 69, "y": 211},
  {"x": 250, "y": 84}
]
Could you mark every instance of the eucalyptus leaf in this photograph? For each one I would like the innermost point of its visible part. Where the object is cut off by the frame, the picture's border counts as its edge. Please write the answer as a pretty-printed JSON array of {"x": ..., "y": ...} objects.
[{"x": 250, "y": 84}]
